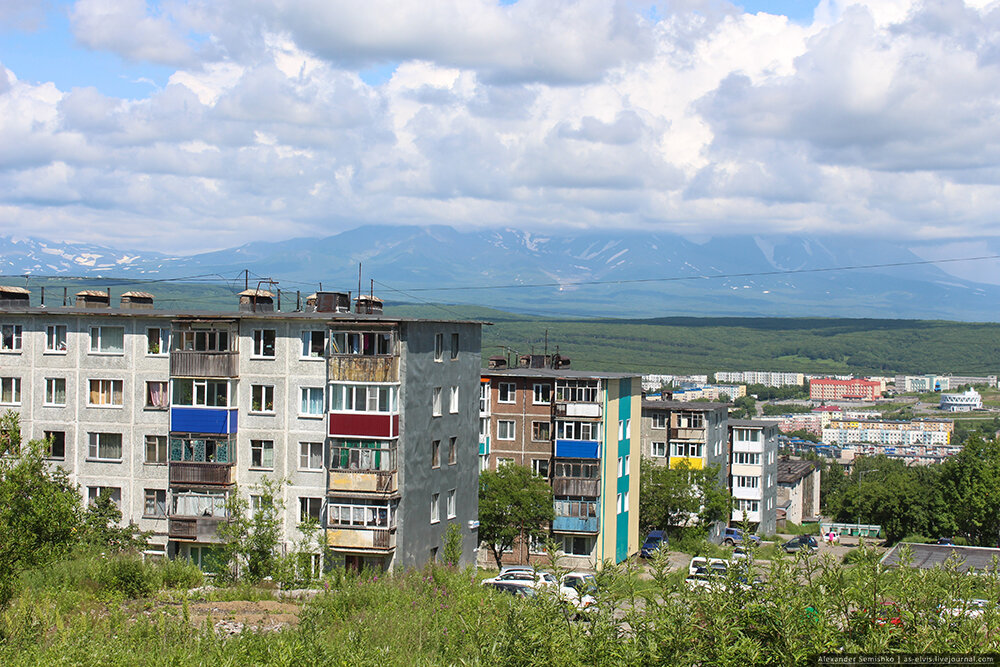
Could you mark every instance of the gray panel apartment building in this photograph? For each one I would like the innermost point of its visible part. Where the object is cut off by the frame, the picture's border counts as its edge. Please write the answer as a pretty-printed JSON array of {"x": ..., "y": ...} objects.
[{"x": 372, "y": 420}]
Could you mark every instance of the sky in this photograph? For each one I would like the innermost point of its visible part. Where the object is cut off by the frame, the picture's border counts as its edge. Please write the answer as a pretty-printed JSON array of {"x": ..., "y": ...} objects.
[{"x": 184, "y": 126}]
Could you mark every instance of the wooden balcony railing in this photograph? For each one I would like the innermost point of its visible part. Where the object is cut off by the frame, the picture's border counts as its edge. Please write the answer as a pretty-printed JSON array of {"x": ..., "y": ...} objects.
[
  {"x": 358, "y": 368},
  {"x": 186, "y": 363},
  {"x": 213, "y": 474}
]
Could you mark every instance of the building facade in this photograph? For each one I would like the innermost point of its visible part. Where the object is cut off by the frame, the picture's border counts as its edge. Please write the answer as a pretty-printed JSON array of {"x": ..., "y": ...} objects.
[
  {"x": 856, "y": 389},
  {"x": 798, "y": 491},
  {"x": 753, "y": 471},
  {"x": 766, "y": 378},
  {"x": 967, "y": 401},
  {"x": 922, "y": 383},
  {"x": 171, "y": 412},
  {"x": 574, "y": 429}
]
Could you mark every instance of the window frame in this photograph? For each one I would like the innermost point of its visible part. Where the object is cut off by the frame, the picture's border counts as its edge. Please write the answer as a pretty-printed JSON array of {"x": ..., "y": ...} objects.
[
  {"x": 536, "y": 428},
  {"x": 162, "y": 341},
  {"x": 203, "y": 383},
  {"x": 13, "y": 342},
  {"x": 306, "y": 505},
  {"x": 306, "y": 353},
  {"x": 258, "y": 449},
  {"x": 94, "y": 446},
  {"x": 653, "y": 449},
  {"x": 305, "y": 400},
  {"x": 452, "y": 450},
  {"x": 453, "y": 400},
  {"x": 147, "y": 396},
  {"x": 156, "y": 441},
  {"x": 51, "y": 391},
  {"x": 50, "y": 448},
  {"x": 435, "y": 453},
  {"x": 99, "y": 348},
  {"x": 155, "y": 495},
  {"x": 659, "y": 420},
  {"x": 510, "y": 388},
  {"x": 450, "y": 504},
  {"x": 112, "y": 383},
  {"x": 539, "y": 388},
  {"x": 436, "y": 402},
  {"x": 455, "y": 344},
  {"x": 15, "y": 390},
  {"x": 435, "y": 508},
  {"x": 307, "y": 455},
  {"x": 512, "y": 429},
  {"x": 52, "y": 342},
  {"x": 439, "y": 347},
  {"x": 259, "y": 344},
  {"x": 344, "y": 393},
  {"x": 264, "y": 408}
]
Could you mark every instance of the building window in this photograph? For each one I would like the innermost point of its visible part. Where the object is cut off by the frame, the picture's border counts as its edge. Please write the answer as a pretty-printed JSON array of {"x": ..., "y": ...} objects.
[
  {"x": 618, "y": 503},
  {"x": 576, "y": 546},
  {"x": 541, "y": 431},
  {"x": 540, "y": 467},
  {"x": 506, "y": 392},
  {"x": 106, "y": 393},
  {"x": 435, "y": 453},
  {"x": 55, "y": 391},
  {"x": 621, "y": 429},
  {"x": 105, "y": 447},
  {"x": 628, "y": 463},
  {"x": 55, "y": 338},
  {"x": 263, "y": 343},
  {"x": 659, "y": 420},
  {"x": 157, "y": 396},
  {"x": 55, "y": 444},
  {"x": 313, "y": 344},
  {"x": 95, "y": 492},
  {"x": 362, "y": 398},
  {"x": 505, "y": 429},
  {"x": 310, "y": 455},
  {"x": 364, "y": 343},
  {"x": 438, "y": 347},
  {"x": 452, "y": 451},
  {"x": 211, "y": 340},
  {"x": 542, "y": 394},
  {"x": 625, "y": 506},
  {"x": 745, "y": 435},
  {"x": 453, "y": 400},
  {"x": 578, "y": 470},
  {"x": 454, "y": 346},
  {"x": 658, "y": 450},
  {"x": 621, "y": 467},
  {"x": 628, "y": 429},
  {"x": 746, "y": 482},
  {"x": 201, "y": 393},
  {"x": 746, "y": 458},
  {"x": 363, "y": 455},
  {"x": 311, "y": 401},
  {"x": 262, "y": 398},
  {"x": 436, "y": 402},
  {"x": 451, "y": 504},
  {"x": 577, "y": 391},
  {"x": 262, "y": 454},
  {"x": 10, "y": 391},
  {"x": 310, "y": 510},
  {"x": 10, "y": 337},
  {"x": 504, "y": 461},
  {"x": 157, "y": 341},
  {"x": 349, "y": 512},
  {"x": 578, "y": 430},
  {"x": 686, "y": 449},
  {"x": 435, "y": 513},
  {"x": 156, "y": 504},
  {"x": 691, "y": 420},
  {"x": 107, "y": 340},
  {"x": 156, "y": 449}
]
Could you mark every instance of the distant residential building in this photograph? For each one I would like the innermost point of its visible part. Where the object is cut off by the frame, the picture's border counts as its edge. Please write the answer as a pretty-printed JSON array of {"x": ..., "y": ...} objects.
[
  {"x": 962, "y": 380},
  {"x": 922, "y": 383},
  {"x": 798, "y": 491},
  {"x": 811, "y": 422},
  {"x": 766, "y": 378},
  {"x": 964, "y": 402},
  {"x": 716, "y": 392},
  {"x": 828, "y": 389},
  {"x": 753, "y": 470},
  {"x": 696, "y": 435},
  {"x": 810, "y": 378},
  {"x": 653, "y": 382},
  {"x": 575, "y": 430},
  {"x": 884, "y": 432}
]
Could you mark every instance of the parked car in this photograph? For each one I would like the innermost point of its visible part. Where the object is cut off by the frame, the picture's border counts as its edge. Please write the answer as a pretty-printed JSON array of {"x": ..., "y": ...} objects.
[
  {"x": 578, "y": 588},
  {"x": 802, "y": 542},
  {"x": 534, "y": 578},
  {"x": 739, "y": 553},
  {"x": 656, "y": 540},
  {"x": 708, "y": 566},
  {"x": 737, "y": 536},
  {"x": 946, "y": 541},
  {"x": 515, "y": 588}
]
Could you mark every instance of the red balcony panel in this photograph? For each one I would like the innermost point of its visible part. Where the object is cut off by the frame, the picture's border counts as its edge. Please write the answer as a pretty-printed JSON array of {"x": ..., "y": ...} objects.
[{"x": 364, "y": 425}]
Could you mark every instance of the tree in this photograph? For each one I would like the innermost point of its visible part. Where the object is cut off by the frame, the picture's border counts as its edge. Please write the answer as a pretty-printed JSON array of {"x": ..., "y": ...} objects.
[
  {"x": 514, "y": 504},
  {"x": 677, "y": 498},
  {"x": 251, "y": 536},
  {"x": 100, "y": 527},
  {"x": 970, "y": 483},
  {"x": 745, "y": 407},
  {"x": 39, "y": 508}
]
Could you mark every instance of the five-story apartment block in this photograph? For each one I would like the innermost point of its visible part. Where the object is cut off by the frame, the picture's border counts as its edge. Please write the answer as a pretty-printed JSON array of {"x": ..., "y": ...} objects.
[{"x": 753, "y": 473}]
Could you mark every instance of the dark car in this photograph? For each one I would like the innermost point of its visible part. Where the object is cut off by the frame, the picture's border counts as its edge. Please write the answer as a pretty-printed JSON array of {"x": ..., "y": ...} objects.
[
  {"x": 946, "y": 541},
  {"x": 656, "y": 540},
  {"x": 737, "y": 536},
  {"x": 802, "y": 542}
]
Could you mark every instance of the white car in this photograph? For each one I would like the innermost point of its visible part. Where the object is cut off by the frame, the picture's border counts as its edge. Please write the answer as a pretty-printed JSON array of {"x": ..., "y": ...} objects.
[
  {"x": 578, "y": 589},
  {"x": 533, "y": 578},
  {"x": 702, "y": 565}
]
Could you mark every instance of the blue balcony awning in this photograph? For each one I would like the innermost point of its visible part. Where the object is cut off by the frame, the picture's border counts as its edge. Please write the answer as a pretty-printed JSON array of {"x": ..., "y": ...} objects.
[{"x": 578, "y": 449}]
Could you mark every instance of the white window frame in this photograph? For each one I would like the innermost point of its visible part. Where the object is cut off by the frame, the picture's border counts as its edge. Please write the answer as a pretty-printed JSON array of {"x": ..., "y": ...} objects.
[
  {"x": 53, "y": 343},
  {"x": 163, "y": 340},
  {"x": 658, "y": 450},
  {"x": 103, "y": 386},
  {"x": 536, "y": 467},
  {"x": 450, "y": 504},
  {"x": 259, "y": 342},
  {"x": 506, "y": 429},
  {"x": 439, "y": 347},
  {"x": 95, "y": 444},
  {"x": 158, "y": 444},
  {"x": 508, "y": 388},
  {"x": 353, "y": 394},
  {"x": 260, "y": 448},
  {"x": 541, "y": 394},
  {"x": 435, "y": 508},
  {"x": 307, "y": 337},
  {"x": 306, "y": 506},
  {"x": 436, "y": 402},
  {"x": 51, "y": 393},
  {"x": 265, "y": 391},
  {"x": 307, "y": 454},
  {"x": 97, "y": 335},
  {"x": 10, "y": 386},
  {"x": 202, "y": 384},
  {"x": 453, "y": 400},
  {"x": 534, "y": 430},
  {"x": 159, "y": 503},
  {"x": 94, "y": 492},
  {"x": 305, "y": 400},
  {"x": 11, "y": 338},
  {"x": 659, "y": 420}
]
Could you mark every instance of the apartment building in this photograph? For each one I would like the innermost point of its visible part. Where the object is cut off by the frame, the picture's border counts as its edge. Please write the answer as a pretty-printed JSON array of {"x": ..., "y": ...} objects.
[
  {"x": 369, "y": 421},
  {"x": 654, "y": 381},
  {"x": 753, "y": 473},
  {"x": 766, "y": 378},
  {"x": 574, "y": 429},
  {"x": 888, "y": 432},
  {"x": 709, "y": 392},
  {"x": 923, "y": 383},
  {"x": 695, "y": 435},
  {"x": 855, "y": 389}
]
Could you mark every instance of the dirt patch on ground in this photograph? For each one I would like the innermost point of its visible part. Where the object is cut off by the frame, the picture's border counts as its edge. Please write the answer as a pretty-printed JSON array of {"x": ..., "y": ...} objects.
[{"x": 233, "y": 617}]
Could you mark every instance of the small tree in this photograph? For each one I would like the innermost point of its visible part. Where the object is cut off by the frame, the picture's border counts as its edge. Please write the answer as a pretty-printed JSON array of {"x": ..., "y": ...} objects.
[
  {"x": 453, "y": 545},
  {"x": 673, "y": 498},
  {"x": 514, "y": 503},
  {"x": 251, "y": 535},
  {"x": 101, "y": 529}
]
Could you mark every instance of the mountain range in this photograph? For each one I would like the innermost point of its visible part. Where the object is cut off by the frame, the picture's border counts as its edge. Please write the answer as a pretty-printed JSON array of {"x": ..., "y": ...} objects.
[{"x": 589, "y": 273}]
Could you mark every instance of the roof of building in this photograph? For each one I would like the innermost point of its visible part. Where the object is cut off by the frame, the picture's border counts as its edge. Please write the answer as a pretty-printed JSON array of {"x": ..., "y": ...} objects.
[
  {"x": 926, "y": 556},
  {"x": 92, "y": 292},
  {"x": 685, "y": 405},
  {"x": 138, "y": 295},
  {"x": 790, "y": 472},
  {"x": 257, "y": 292},
  {"x": 759, "y": 423},
  {"x": 10, "y": 289},
  {"x": 560, "y": 374}
]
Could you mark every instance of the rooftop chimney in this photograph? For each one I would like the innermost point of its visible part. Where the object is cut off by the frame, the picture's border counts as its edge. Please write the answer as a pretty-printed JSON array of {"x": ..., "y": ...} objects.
[
  {"x": 137, "y": 301},
  {"x": 329, "y": 302},
  {"x": 367, "y": 304},
  {"x": 14, "y": 297},
  {"x": 256, "y": 301},
  {"x": 92, "y": 298}
]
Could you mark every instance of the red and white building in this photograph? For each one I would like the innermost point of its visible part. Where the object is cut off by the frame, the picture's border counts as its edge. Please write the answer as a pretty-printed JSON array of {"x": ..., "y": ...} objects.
[{"x": 856, "y": 389}]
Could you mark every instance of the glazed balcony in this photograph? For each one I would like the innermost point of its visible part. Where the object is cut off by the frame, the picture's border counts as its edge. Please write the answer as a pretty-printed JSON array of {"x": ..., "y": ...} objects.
[
  {"x": 361, "y": 368},
  {"x": 194, "y": 529},
  {"x": 697, "y": 434},
  {"x": 586, "y": 410},
  {"x": 574, "y": 486}
]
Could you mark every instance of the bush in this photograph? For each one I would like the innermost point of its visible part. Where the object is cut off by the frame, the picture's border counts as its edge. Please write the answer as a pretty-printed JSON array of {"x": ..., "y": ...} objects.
[
  {"x": 127, "y": 575},
  {"x": 178, "y": 573}
]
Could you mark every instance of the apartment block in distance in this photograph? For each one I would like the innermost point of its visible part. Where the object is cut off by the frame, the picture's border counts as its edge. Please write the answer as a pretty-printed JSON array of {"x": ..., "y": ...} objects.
[
  {"x": 695, "y": 435},
  {"x": 753, "y": 473},
  {"x": 167, "y": 411},
  {"x": 855, "y": 389},
  {"x": 574, "y": 429}
]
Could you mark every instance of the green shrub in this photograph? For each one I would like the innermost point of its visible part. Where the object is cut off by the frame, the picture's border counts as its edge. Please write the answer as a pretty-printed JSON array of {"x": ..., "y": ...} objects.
[
  {"x": 128, "y": 575},
  {"x": 178, "y": 573}
]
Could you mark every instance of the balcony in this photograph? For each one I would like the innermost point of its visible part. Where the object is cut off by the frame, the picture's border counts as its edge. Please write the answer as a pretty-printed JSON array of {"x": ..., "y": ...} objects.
[
  {"x": 578, "y": 449},
  {"x": 575, "y": 524},
  {"x": 367, "y": 539},
  {"x": 697, "y": 434},
  {"x": 187, "y": 363},
  {"x": 358, "y": 368},
  {"x": 362, "y": 481},
  {"x": 211, "y": 474},
  {"x": 589, "y": 410},
  {"x": 195, "y": 529},
  {"x": 364, "y": 424},
  {"x": 219, "y": 421},
  {"x": 573, "y": 486}
]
